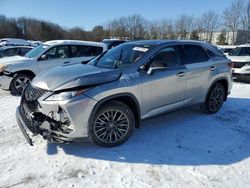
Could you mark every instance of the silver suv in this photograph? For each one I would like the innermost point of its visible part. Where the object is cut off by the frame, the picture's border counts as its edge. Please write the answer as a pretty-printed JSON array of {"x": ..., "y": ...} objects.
[{"x": 107, "y": 98}]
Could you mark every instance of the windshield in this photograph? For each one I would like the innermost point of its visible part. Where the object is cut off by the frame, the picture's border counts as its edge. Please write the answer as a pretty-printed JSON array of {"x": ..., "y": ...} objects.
[
  {"x": 240, "y": 51},
  {"x": 122, "y": 56},
  {"x": 36, "y": 51}
]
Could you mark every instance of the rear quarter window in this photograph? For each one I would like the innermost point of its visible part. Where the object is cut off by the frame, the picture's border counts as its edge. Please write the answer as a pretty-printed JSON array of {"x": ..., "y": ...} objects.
[
  {"x": 194, "y": 54},
  {"x": 85, "y": 51}
]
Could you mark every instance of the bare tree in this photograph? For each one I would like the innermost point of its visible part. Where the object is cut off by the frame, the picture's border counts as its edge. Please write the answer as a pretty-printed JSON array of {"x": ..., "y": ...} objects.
[
  {"x": 134, "y": 25},
  {"x": 184, "y": 25},
  {"x": 209, "y": 22},
  {"x": 246, "y": 16},
  {"x": 115, "y": 29},
  {"x": 233, "y": 15}
]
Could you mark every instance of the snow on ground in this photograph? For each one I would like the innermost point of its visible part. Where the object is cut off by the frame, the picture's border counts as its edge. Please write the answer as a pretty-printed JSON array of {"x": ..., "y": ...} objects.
[{"x": 182, "y": 149}]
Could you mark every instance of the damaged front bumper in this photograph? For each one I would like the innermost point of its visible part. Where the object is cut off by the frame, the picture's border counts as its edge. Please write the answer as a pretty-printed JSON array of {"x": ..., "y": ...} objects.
[{"x": 55, "y": 121}]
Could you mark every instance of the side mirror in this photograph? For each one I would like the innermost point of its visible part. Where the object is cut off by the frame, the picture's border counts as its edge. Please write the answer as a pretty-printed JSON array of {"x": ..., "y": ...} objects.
[
  {"x": 43, "y": 58},
  {"x": 156, "y": 65}
]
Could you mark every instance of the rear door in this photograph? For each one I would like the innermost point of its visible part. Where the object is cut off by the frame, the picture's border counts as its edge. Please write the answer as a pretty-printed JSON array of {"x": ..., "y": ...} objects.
[{"x": 199, "y": 70}]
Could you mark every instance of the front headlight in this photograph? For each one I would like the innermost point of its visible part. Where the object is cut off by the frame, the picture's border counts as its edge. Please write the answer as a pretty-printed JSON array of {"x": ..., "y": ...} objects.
[
  {"x": 2, "y": 67},
  {"x": 65, "y": 95}
]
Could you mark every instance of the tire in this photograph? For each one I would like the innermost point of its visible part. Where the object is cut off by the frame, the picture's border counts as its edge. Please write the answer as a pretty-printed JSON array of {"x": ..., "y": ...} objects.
[
  {"x": 215, "y": 99},
  {"x": 112, "y": 125},
  {"x": 19, "y": 82}
]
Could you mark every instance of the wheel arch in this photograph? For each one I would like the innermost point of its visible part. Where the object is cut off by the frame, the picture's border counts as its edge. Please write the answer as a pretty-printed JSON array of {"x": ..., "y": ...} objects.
[
  {"x": 128, "y": 99},
  {"x": 27, "y": 72},
  {"x": 222, "y": 81}
]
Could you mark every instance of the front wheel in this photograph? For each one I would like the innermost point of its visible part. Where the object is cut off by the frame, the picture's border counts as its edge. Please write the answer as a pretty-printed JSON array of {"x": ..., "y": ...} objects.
[
  {"x": 113, "y": 124},
  {"x": 19, "y": 82},
  {"x": 214, "y": 99}
]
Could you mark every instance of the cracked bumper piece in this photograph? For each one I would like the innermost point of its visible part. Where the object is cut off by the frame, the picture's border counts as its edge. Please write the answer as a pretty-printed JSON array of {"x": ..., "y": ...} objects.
[{"x": 26, "y": 132}]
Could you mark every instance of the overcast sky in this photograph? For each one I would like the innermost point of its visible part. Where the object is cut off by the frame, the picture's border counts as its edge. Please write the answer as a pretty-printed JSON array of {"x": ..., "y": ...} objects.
[{"x": 88, "y": 13}]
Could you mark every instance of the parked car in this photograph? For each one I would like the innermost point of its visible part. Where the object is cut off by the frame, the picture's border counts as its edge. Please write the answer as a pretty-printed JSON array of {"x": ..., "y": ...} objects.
[
  {"x": 16, "y": 72},
  {"x": 226, "y": 49},
  {"x": 13, "y": 42},
  {"x": 240, "y": 57},
  {"x": 35, "y": 43},
  {"x": 8, "y": 51},
  {"x": 111, "y": 43},
  {"x": 106, "y": 99}
]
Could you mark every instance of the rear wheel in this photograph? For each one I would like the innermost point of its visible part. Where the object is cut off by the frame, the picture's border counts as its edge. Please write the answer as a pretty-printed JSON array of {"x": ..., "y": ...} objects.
[
  {"x": 113, "y": 124},
  {"x": 19, "y": 82},
  {"x": 214, "y": 99}
]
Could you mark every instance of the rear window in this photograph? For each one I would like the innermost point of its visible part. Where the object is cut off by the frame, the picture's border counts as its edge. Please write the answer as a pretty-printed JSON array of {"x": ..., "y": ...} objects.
[
  {"x": 194, "y": 54},
  {"x": 85, "y": 51}
]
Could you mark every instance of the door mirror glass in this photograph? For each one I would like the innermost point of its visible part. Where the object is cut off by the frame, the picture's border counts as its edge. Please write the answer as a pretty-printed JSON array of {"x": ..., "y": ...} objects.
[
  {"x": 156, "y": 65},
  {"x": 43, "y": 57}
]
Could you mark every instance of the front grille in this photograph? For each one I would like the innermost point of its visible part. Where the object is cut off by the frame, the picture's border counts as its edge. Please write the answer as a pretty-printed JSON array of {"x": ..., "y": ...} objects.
[
  {"x": 32, "y": 93},
  {"x": 239, "y": 64}
]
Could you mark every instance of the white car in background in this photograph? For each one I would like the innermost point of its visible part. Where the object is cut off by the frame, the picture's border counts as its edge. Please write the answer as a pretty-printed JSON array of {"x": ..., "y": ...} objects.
[
  {"x": 240, "y": 57},
  {"x": 226, "y": 49},
  {"x": 16, "y": 72},
  {"x": 13, "y": 42}
]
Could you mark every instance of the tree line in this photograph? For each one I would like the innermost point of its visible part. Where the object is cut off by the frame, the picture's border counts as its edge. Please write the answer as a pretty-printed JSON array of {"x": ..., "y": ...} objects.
[{"x": 236, "y": 16}]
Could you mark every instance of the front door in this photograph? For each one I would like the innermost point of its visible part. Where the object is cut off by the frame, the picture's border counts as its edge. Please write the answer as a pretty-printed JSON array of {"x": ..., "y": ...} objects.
[
  {"x": 55, "y": 56},
  {"x": 164, "y": 88}
]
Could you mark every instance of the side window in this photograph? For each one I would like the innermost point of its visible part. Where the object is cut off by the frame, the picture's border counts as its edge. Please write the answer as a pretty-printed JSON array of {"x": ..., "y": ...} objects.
[
  {"x": 58, "y": 52},
  {"x": 169, "y": 56},
  {"x": 85, "y": 51},
  {"x": 90, "y": 50},
  {"x": 194, "y": 54},
  {"x": 25, "y": 50},
  {"x": 244, "y": 51},
  {"x": 74, "y": 51},
  {"x": 11, "y": 52}
]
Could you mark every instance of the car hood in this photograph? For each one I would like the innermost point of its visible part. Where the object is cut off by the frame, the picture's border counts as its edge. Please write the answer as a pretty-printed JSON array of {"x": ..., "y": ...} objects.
[
  {"x": 12, "y": 59},
  {"x": 73, "y": 76},
  {"x": 239, "y": 58}
]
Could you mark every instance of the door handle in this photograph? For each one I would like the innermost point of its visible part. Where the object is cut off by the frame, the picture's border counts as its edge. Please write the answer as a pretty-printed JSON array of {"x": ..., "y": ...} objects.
[
  {"x": 180, "y": 74},
  {"x": 66, "y": 62},
  {"x": 212, "y": 68}
]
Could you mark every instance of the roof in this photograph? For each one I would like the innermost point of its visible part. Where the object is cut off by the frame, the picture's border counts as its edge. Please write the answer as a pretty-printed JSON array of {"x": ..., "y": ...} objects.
[
  {"x": 9, "y": 47},
  {"x": 245, "y": 45},
  {"x": 160, "y": 42},
  {"x": 72, "y": 42}
]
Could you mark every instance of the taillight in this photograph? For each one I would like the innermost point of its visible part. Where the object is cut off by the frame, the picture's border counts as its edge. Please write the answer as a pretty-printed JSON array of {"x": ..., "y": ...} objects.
[{"x": 230, "y": 64}]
